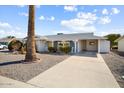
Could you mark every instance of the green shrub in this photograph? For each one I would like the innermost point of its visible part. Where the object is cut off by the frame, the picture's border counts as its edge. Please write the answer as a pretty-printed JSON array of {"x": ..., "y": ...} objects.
[
  {"x": 61, "y": 49},
  {"x": 65, "y": 49},
  {"x": 15, "y": 45},
  {"x": 52, "y": 49}
]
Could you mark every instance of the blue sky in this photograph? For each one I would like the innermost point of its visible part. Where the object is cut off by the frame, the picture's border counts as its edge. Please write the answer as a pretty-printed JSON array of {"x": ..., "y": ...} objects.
[{"x": 52, "y": 19}]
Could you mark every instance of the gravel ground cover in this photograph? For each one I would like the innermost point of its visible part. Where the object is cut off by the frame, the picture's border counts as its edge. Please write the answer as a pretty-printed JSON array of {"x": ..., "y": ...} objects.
[
  {"x": 10, "y": 65},
  {"x": 116, "y": 65}
]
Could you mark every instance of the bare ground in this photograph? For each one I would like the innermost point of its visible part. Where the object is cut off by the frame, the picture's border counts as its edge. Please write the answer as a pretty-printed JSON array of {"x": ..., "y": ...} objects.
[
  {"x": 12, "y": 67},
  {"x": 116, "y": 65}
]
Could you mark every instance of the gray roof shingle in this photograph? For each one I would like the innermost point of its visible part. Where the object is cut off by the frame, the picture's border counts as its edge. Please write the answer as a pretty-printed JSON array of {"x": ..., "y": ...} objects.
[{"x": 76, "y": 36}]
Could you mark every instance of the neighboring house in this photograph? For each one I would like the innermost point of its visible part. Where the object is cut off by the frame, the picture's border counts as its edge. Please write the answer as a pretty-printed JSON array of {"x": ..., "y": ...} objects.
[
  {"x": 120, "y": 44},
  {"x": 6, "y": 41},
  {"x": 78, "y": 42}
]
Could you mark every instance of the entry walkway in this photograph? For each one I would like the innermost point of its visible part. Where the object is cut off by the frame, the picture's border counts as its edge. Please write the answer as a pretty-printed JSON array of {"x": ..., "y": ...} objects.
[{"x": 79, "y": 71}]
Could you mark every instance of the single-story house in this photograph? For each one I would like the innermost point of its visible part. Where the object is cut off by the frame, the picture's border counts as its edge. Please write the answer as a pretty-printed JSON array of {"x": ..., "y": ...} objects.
[
  {"x": 120, "y": 44},
  {"x": 6, "y": 41},
  {"x": 78, "y": 42}
]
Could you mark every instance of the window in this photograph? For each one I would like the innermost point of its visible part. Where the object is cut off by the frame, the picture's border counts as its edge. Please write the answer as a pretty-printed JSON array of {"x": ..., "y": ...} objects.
[
  {"x": 91, "y": 43},
  {"x": 62, "y": 43}
]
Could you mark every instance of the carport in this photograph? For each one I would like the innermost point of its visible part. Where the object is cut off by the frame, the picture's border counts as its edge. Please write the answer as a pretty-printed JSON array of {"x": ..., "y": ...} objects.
[{"x": 88, "y": 45}]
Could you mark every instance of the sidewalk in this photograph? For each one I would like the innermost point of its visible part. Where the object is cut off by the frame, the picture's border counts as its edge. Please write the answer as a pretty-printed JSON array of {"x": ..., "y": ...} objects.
[{"x": 10, "y": 83}]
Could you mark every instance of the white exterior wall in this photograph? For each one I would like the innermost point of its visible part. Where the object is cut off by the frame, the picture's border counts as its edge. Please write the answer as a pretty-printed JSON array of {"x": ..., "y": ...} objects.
[
  {"x": 103, "y": 46},
  {"x": 121, "y": 45},
  {"x": 41, "y": 46}
]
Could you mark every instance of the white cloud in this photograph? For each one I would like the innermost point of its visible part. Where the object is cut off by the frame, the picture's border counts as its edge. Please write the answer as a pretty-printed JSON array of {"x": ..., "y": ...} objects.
[
  {"x": 52, "y": 18},
  {"x": 41, "y": 18},
  {"x": 115, "y": 11},
  {"x": 83, "y": 23},
  {"x": 2, "y": 32},
  {"x": 23, "y": 14},
  {"x": 105, "y": 11},
  {"x": 95, "y": 10},
  {"x": 21, "y": 6},
  {"x": 70, "y": 8},
  {"x": 7, "y": 29},
  {"x": 88, "y": 16},
  {"x": 76, "y": 22},
  {"x": 104, "y": 20},
  {"x": 5, "y": 25},
  {"x": 79, "y": 25}
]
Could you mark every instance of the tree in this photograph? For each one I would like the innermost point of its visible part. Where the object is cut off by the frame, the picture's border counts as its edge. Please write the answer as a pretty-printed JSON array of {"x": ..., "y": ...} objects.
[
  {"x": 112, "y": 38},
  {"x": 30, "y": 47},
  {"x": 10, "y": 37}
]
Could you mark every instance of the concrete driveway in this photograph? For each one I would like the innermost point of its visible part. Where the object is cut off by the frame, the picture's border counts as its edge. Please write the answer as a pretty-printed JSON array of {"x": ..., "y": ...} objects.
[{"x": 79, "y": 71}]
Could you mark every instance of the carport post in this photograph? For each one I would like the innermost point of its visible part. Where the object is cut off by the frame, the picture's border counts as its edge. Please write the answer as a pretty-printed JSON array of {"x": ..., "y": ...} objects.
[
  {"x": 75, "y": 46},
  {"x": 99, "y": 46}
]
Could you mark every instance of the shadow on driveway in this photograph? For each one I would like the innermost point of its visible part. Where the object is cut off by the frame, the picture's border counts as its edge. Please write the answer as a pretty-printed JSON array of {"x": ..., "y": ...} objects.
[
  {"x": 87, "y": 54},
  {"x": 10, "y": 63}
]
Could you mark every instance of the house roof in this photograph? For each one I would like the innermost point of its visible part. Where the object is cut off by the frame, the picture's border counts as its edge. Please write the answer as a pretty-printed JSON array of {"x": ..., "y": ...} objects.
[
  {"x": 41, "y": 38},
  {"x": 6, "y": 39},
  {"x": 76, "y": 36},
  {"x": 119, "y": 39},
  {"x": 38, "y": 38}
]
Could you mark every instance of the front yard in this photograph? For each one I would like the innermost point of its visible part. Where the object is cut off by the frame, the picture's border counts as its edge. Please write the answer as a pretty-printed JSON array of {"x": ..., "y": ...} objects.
[
  {"x": 10, "y": 65},
  {"x": 116, "y": 65}
]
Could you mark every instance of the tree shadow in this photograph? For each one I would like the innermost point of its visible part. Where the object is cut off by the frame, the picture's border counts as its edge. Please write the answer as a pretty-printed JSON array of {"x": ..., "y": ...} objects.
[
  {"x": 11, "y": 63},
  {"x": 5, "y": 51}
]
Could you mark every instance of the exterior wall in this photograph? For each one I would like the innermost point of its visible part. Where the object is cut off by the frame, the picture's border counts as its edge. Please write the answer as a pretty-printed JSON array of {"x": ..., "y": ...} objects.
[
  {"x": 104, "y": 46},
  {"x": 41, "y": 46},
  {"x": 121, "y": 45},
  {"x": 100, "y": 45},
  {"x": 90, "y": 47},
  {"x": 81, "y": 45}
]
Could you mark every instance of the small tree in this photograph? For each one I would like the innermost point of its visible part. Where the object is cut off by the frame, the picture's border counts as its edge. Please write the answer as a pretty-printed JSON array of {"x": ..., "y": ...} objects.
[
  {"x": 112, "y": 38},
  {"x": 10, "y": 37}
]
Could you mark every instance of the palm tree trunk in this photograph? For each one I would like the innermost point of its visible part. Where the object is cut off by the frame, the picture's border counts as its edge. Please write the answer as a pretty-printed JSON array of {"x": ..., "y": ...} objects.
[{"x": 30, "y": 48}]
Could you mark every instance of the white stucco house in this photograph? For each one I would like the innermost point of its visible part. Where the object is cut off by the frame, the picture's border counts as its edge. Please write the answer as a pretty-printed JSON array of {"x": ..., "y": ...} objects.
[
  {"x": 78, "y": 42},
  {"x": 120, "y": 44}
]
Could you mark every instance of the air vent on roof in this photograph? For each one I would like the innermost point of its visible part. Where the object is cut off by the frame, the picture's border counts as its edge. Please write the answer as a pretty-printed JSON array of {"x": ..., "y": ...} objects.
[{"x": 59, "y": 33}]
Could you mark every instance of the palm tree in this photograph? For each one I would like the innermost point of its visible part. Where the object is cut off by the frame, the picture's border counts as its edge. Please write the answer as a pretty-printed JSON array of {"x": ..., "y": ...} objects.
[{"x": 30, "y": 48}]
